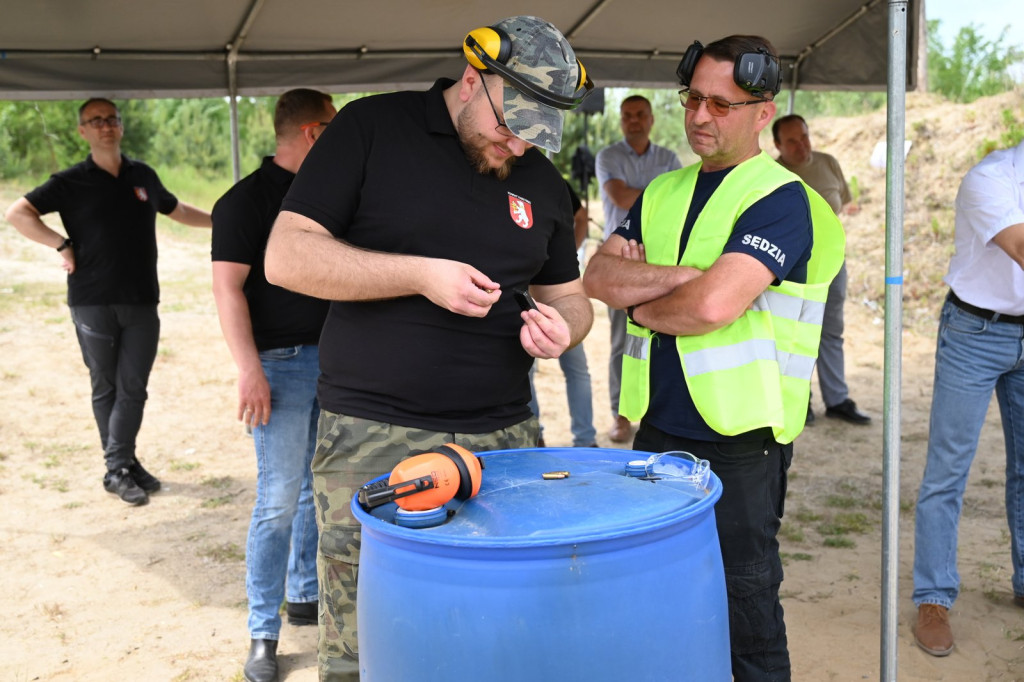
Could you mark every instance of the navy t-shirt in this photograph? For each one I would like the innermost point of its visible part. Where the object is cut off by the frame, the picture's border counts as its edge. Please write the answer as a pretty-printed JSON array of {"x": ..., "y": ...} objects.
[{"x": 777, "y": 232}]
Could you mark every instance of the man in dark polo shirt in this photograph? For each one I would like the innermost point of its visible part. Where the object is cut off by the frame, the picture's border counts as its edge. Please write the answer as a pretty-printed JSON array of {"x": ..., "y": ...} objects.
[
  {"x": 417, "y": 214},
  {"x": 273, "y": 335},
  {"x": 108, "y": 205}
]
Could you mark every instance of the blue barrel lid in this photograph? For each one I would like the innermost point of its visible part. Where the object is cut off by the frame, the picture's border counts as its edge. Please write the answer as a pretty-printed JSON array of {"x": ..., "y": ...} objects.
[{"x": 518, "y": 507}]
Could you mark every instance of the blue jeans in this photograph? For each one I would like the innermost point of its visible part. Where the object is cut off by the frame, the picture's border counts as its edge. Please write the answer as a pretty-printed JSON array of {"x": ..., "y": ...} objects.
[
  {"x": 118, "y": 344},
  {"x": 280, "y": 553},
  {"x": 973, "y": 357},
  {"x": 573, "y": 363},
  {"x": 748, "y": 517}
]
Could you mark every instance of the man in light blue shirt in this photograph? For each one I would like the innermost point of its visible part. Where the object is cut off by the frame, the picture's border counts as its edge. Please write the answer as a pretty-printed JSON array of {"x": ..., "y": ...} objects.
[{"x": 624, "y": 169}]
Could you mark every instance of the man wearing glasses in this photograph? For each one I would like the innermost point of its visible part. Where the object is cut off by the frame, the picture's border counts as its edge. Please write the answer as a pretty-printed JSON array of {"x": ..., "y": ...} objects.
[
  {"x": 273, "y": 334},
  {"x": 108, "y": 205},
  {"x": 723, "y": 268},
  {"x": 417, "y": 214}
]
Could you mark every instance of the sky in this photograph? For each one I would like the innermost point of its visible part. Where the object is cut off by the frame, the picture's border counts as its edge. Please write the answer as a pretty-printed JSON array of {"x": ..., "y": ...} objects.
[{"x": 989, "y": 16}]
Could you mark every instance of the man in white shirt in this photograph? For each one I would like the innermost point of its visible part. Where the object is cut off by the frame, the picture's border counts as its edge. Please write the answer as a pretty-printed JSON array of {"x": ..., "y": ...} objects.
[
  {"x": 979, "y": 350},
  {"x": 624, "y": 169}
]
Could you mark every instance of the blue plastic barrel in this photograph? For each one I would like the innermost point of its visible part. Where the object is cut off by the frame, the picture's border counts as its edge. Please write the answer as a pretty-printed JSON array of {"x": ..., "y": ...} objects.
[{"x": 598, "y": 577}]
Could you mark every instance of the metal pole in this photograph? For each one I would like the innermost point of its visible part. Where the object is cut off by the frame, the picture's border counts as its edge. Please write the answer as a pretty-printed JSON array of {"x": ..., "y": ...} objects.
[
  {"x": 894, "y": 188},
  {"x": 236, "y": 159}
]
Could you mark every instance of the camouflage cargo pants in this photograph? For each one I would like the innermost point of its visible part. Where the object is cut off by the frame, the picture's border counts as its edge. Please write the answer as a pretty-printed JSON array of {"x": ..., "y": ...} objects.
[{"x": 349, "y": 452}]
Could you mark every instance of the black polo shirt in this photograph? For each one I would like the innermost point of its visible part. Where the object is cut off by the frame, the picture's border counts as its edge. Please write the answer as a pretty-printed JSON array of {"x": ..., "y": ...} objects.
[
  {"x": 242, "y": 219},
  {"x": 112, "y": 222},
  {"x": 389, "y": 174}
]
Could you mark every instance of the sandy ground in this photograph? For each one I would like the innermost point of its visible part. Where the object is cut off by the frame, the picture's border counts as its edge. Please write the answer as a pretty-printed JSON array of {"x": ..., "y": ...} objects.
[{"x": 96, "y": 590}]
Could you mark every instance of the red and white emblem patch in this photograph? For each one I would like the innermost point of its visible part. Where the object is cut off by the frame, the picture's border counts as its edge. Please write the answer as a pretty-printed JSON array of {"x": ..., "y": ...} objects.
[
  {"x": 140, "y": 193},
  {"x": 521, "y": 211}
]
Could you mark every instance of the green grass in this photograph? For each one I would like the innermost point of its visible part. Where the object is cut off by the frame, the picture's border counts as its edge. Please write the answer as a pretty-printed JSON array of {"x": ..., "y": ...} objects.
[
  {"x": 224, "y": 553},
  {"x": 840, "y": 542}
]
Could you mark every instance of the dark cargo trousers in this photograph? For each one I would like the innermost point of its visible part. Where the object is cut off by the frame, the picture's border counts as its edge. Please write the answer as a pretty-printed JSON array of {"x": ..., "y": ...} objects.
[{"x": 748, "y": 517}]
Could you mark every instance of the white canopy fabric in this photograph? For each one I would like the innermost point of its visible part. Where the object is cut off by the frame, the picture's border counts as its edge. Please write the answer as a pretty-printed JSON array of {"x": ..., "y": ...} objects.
[{"x": 71, "y": 49}]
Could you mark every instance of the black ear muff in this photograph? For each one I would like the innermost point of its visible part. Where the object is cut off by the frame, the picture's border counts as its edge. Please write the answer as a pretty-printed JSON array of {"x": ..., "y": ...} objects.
[
  {"x": 758, "y": 72},
  {"x": 486, "y": 43},
  {"x": 689, "y": 62}
]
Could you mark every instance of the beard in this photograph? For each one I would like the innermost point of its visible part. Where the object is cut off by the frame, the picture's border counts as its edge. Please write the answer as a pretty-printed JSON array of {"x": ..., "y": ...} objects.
[{"x": 474, "y": 144}]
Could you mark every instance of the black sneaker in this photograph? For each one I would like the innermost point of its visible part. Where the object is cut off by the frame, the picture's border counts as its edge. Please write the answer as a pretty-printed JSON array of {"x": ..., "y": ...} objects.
[
  {"x": 146, "y": 480},
  {"x": 122, "y": 484}
]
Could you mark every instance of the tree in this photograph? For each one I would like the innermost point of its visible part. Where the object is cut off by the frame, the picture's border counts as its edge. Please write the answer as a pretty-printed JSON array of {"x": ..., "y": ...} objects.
[{"x": 972, "y": 66}]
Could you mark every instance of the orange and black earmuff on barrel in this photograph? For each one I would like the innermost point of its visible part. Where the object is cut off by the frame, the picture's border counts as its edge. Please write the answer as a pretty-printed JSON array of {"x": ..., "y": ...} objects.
[
  {"x": 427, "y": 481},
  {"x": 489, "y": 48}
]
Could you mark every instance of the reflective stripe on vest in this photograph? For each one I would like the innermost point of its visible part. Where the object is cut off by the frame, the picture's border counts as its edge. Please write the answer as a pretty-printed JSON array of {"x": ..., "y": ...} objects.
[
  {"x": 754, "y": 372},
  {"x": 730, "y": 357}
]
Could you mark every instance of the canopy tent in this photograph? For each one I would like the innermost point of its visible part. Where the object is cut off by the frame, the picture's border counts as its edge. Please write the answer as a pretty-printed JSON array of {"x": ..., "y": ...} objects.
[
  {"x": 73, "y": 49},
  {"x": 61, "y": 49}
]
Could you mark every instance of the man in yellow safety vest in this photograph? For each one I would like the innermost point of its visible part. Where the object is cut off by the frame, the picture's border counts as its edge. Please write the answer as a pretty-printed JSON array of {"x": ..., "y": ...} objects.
[{"x": 724, "y": 269}]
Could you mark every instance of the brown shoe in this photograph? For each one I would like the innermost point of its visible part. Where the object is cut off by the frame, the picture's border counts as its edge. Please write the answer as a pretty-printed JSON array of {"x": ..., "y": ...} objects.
[
  {"x": 621, "y": 430},
  {"x": 1018, "y": 599},
  {"x": 933, "y": 633}
]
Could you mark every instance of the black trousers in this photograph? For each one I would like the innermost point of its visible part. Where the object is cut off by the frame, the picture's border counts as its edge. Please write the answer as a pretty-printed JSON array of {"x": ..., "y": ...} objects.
[
  {"x": 118, "y": 345},
  {"x": 748, "y": 516}
]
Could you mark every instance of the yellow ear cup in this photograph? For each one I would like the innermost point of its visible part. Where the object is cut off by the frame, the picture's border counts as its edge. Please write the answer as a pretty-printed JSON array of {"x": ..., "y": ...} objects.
[
  {"x": 487, "y": 41},
  {"x": 582, "y": 77}
]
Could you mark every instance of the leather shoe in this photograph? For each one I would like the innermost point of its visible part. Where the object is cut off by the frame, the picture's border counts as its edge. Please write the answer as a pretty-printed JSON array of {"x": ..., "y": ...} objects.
[
  {"x": 1018, "y": 599},
  {"x": 933, "y": 633},
  {"x": 847, "y": 411},
  {"x": 621, "y": 430},
  {"x": 810, "y": 415},
  {"x": 261, "y": 666},
  {"x": 302, "y": 613}
]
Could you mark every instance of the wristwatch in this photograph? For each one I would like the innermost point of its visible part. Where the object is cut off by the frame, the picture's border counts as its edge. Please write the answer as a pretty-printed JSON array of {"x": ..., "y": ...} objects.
[{"x": 65, "y": 244}]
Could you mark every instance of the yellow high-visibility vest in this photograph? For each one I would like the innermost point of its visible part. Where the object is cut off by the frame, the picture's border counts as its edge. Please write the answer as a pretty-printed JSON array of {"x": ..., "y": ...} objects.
[{"x": 756, "y": 371}]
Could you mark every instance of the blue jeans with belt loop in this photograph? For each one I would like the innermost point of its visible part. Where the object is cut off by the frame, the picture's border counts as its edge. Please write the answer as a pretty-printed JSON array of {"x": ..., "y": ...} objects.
[
  {"x": 973, "y": 357},
  {"x": 280, "y": 556}
]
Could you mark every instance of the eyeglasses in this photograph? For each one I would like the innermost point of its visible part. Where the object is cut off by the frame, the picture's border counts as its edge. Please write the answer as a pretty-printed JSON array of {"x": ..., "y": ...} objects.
[
  {"x": 99, "y": 122},
  {"x": 501, "y": 128},
  {"x": 716, "y": 105},
  {"x": 314, "y": 124}
]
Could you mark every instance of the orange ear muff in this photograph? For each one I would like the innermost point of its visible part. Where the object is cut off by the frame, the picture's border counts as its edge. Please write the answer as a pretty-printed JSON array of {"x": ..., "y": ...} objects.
[
  {"x": 428, "y": 480},
  {"x": 486, "y": 43}
]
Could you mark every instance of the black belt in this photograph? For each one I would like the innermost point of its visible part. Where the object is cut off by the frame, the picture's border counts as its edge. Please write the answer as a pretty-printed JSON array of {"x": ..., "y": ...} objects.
[{"x": 983, "y": 313}]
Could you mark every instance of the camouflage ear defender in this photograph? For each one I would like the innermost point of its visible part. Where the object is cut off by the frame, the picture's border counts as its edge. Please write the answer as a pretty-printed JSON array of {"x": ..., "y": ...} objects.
[
  {"x": 756, "y": 72},
  {"x": 488, "y": 49}
]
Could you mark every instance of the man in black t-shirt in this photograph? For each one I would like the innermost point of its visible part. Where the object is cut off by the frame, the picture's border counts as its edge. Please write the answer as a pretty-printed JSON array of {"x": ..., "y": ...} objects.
[
  {"x": 108, "y": 205},
  {"x": 273, "y": 335},
  {"x": 417, "y": 214}
]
